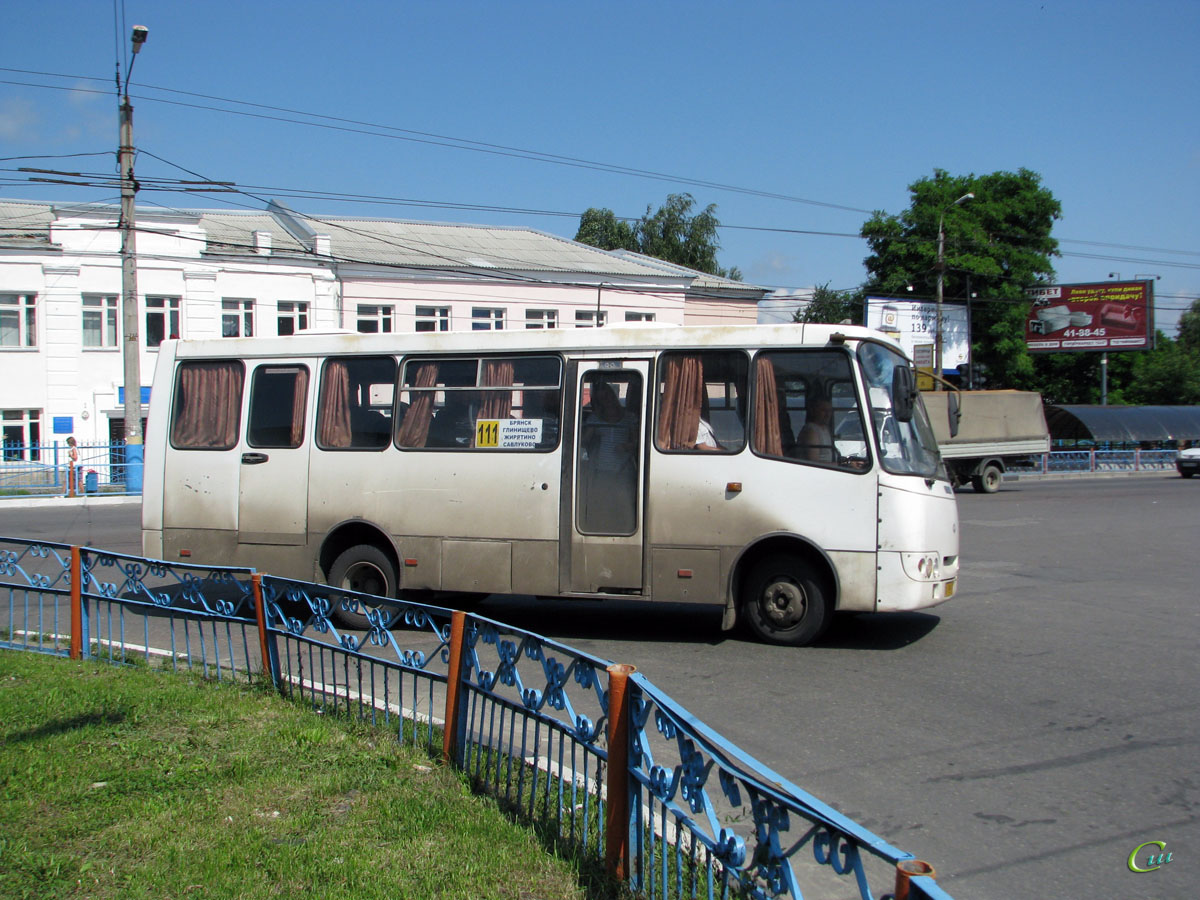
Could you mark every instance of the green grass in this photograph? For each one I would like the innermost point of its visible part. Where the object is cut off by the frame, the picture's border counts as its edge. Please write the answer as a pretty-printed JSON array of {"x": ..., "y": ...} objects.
[{"x": 123, "y": 782}]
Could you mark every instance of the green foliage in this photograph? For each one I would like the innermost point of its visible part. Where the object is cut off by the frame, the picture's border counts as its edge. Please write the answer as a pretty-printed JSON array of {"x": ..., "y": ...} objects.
[
  {"x": 996, "y": 245},
  {"x": 1168, "y": 375},
  {"x": 832, "y": 307},
  {"x": 673, "y": 233},
  {"x": 1189, "y": 328}
]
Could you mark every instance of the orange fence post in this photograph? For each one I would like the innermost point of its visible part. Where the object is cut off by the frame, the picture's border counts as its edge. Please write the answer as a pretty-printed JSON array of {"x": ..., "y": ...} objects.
[
  {"x": 260, "y": 614},
  {"x": 907, "y": 869},
  {"x": 454, "y": 707},
  {"x": 616, "y": 826},
  {"x": 76, "y": 603}
]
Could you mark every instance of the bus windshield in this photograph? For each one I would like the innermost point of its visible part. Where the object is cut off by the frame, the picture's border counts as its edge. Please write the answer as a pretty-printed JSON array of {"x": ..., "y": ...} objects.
[{"x": 905, "y": 448}]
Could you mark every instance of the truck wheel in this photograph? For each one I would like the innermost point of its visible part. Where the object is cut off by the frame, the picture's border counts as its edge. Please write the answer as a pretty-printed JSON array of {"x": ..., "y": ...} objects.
[
  {"x": 366, "y": 569},
  {"x": 784, "y": 603},
  {"x": 988, "y": 481}
]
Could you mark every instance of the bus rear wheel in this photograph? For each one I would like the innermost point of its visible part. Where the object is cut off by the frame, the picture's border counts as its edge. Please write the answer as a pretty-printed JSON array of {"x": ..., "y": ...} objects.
[
  {"x": 785, "y": 603},
  {"x": 366, "y": 569}
]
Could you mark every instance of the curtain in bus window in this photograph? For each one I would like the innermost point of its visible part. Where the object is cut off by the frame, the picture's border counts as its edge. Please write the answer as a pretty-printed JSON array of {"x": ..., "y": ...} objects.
[
  {"x": 299, "y": 394},
  {"x": 208, "y": 405},
  {"x": 497, "y": 404},
  {"x": 415, "y": 430},
  {"x": 682, "y": 397},
  {"x": 334, "y": 428},
  {"x": 768, "y": 436}
]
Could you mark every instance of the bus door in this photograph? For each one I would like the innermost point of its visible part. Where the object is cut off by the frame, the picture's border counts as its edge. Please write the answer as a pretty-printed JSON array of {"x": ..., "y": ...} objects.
[
  {"x": 273, "y": 471},
  {"x": 603, "y": 487}
]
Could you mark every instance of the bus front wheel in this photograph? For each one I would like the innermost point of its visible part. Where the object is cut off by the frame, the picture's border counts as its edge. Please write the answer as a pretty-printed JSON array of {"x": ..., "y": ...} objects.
[
  {"x": 785, "y": 603},
  {"x": 366, "y": 569}
]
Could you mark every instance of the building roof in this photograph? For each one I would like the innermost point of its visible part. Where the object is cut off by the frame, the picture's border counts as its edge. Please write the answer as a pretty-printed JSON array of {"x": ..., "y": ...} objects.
[
  {"x": 233, "y": 233},
  {"x": 1125, "y": 424},
  {"x": 433, "y": 245},
  {"x": 714, "y": 284},
  {"x": 25, "y": 224}
]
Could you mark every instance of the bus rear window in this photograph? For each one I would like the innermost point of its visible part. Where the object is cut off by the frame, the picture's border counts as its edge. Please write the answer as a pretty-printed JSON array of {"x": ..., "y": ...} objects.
[{"x": 208, "y": 405}]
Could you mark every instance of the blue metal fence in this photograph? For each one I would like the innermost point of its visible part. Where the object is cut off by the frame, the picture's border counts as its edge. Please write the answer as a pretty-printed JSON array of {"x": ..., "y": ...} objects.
[
  {"x": 602, "y": 761},
  {"x": 45, "y": 469}
]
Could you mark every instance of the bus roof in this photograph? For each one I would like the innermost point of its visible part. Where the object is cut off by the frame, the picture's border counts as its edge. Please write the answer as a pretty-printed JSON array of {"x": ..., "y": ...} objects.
[{"x": 609, "y": 339}]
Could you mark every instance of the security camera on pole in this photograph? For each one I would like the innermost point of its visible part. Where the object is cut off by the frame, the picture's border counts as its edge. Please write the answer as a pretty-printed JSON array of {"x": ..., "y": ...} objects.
[
  {"x": 941, "y": 269},
  {"x": 134, "y": 454}
]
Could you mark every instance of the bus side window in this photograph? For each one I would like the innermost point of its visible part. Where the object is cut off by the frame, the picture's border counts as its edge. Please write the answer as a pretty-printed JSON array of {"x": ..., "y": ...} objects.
[
  {"x": 278, "y": 399},
  {"x": 354, "y": 407},
  {"x": 208, "y": 405},
  {"x": 702, "y": 402}
]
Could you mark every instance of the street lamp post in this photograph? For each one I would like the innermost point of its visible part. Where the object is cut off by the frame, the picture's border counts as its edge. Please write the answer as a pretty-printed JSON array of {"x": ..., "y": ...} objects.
[
  {"x": 134, "y": 453},
  {"x": 941, "y": 267}
]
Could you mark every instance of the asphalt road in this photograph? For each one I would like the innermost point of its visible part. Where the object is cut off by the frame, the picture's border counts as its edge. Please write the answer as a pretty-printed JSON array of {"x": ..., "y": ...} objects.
[{"x": 1023, "y": 738}]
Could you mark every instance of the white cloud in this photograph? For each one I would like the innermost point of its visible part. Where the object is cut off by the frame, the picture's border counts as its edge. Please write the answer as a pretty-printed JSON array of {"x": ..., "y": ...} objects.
[{"x": 18, "y": 120}]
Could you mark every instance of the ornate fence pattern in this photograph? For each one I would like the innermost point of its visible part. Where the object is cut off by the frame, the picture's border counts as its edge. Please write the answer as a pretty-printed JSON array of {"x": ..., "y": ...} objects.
[{"x": 601, "y": 761}]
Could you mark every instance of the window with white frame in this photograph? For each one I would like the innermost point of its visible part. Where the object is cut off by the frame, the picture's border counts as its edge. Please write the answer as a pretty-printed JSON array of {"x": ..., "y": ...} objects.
[
  {"x": 433, "y": 318},
  {"x": 589, "y": 318},
  {"x": 541, "y": 318},
  {"x": 18, "y": 320},
  {"x": 22, "y": 433},
  {"x": 291, "y": 316},
  {"x": 638, "y": 316},
  {"x": 487, "y": 318},
  {"x": 374, "y": 319},
  {"x": 237, "y": 317},
  {"x": 162, "y": 320},
  {"x": 100, "y": 321}
]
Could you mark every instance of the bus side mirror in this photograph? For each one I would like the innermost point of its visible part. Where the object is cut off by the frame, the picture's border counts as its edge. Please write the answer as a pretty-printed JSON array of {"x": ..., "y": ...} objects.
[
  {"x": 953, "y": 411},
  {"x": 904, "y": 393}
]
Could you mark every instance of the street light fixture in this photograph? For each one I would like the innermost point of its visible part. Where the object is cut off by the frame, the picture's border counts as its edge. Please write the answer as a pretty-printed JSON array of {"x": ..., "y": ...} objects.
[
  {"x": 134, "y": 453},
  {"x": 941, "y": 245}
]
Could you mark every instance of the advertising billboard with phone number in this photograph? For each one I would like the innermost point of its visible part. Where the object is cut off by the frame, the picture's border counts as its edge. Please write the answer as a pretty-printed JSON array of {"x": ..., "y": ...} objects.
[{"x": 1108, "y": 315}]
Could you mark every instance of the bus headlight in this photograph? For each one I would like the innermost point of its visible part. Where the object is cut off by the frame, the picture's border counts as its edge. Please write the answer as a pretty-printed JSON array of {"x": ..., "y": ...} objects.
[{"x": 922, "y": 566}]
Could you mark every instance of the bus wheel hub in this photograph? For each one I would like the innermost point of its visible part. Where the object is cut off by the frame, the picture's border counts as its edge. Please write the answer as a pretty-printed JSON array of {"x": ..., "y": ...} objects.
[{"x": 784, "y": 603}]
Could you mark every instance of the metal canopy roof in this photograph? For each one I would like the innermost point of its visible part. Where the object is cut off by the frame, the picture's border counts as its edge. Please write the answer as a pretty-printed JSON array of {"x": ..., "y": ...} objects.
[{"x": 1124, "y": 423}]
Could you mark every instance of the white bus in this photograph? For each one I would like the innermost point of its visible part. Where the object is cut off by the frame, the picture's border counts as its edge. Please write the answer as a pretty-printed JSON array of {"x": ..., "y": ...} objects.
[{"x": 782, "y": 471}]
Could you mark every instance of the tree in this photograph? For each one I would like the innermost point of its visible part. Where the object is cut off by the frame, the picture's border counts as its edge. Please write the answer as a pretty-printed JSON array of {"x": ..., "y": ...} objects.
[
  {"x": 1189, "y": 328},
  {"x": 997, "y": 244},
  {"x": 832, "y": 307},
  {"x": 673, "y": 233}
]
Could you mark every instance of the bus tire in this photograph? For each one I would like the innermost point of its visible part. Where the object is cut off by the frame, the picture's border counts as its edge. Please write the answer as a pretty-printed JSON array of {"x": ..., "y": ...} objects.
[
  {"x": 988, "y": 481},
  {"x": 366, "y": 569},
  {"x": 785, "y": 603}
]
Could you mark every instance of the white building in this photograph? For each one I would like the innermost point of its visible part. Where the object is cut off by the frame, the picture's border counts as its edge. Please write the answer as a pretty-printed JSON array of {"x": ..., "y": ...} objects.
[{"x": 203, "y": 273}]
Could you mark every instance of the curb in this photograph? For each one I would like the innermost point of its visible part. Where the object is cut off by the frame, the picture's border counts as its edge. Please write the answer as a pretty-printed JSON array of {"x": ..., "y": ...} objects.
[{"x": 60, "y": 502}]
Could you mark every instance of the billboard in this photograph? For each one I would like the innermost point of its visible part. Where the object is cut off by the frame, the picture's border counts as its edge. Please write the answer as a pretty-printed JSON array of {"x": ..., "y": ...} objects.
[
  {"x": 914, "y": 324},
  {"x": 1108, "y": 315}
]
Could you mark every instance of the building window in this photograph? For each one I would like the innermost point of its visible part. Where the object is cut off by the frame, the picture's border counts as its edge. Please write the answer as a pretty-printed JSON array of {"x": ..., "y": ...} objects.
[
  {"x": 237, "y": 318},
  {"x": 18, "y": 320},
  {"x": 375, "y": 319},
  {"x": 433, "y": 318},
  {"x": 588, "y": 318},
  {"x": 22, "y": 433},
  {"x": 100, "y": 321},
  {"x": 639, "y": 317},
  {"x": 292, "y": 316},
  {"x": 162, "y": 320},
  {"x": 541, "y": 318},
  {"x": 487, "y": 319}
]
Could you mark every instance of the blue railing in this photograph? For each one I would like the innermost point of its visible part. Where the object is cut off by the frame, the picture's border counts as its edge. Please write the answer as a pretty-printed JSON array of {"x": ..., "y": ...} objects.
[
  {"x": 45, "y": 469},
  {"x": 598, "y": 757}
]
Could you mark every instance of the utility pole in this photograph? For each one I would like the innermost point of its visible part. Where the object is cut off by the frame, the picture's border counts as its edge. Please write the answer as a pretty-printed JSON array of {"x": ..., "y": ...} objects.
[
  {"x": 134, "y": 449},
  {"x": 941, "y": 270}
]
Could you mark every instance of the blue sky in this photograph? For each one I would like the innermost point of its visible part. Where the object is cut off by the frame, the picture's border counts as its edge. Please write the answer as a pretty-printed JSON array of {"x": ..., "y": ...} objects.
[{"x": 790, "y": 117}]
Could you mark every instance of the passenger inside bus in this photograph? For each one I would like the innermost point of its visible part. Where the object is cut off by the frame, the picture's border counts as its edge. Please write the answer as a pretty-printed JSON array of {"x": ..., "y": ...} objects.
[
  {"x": 815, "y": 439},
  {"x": 453, "y": 426}
]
